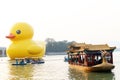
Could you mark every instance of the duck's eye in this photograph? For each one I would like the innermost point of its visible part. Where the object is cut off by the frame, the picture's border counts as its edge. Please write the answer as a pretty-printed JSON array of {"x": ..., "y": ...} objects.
[{"x": 18, "y": 31}]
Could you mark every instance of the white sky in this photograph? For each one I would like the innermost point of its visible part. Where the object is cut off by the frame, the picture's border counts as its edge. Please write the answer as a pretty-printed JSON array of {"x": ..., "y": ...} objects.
[{"x": 90, "y": 21}]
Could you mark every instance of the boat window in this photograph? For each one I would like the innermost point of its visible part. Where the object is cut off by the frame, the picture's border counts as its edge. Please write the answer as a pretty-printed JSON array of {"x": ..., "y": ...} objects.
[
  {"x": 81, "y": 57},
  {"x": 89, "y": 58},
  {"x": 97, "y": 58},
  {"x": 108, "y": 58}
]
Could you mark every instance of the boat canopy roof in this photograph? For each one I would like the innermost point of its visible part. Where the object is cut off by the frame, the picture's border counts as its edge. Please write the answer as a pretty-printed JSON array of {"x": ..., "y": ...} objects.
[
  {"x": 77, "y": 47},
  {"x": 98, "y": 47}
]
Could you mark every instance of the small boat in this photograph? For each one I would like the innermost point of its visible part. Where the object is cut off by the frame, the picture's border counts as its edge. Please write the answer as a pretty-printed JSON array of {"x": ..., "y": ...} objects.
[
  {"x": 36, "y": 60},
  {"x": 65, "y": 59},
  {"x": 88, "y": 57},
  {"x": 20, "y": 61},
  {"x": 40, "y": 62}
]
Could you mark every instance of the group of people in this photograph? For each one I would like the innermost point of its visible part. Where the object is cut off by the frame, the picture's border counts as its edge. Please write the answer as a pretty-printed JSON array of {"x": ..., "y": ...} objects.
[{"x": 29, "y": 60}]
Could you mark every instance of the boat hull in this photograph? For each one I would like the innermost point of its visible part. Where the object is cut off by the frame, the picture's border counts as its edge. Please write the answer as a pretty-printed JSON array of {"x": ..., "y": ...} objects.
[
  {"x": 18, "y": 64},
  {"x": 41, "y": 62},
  {"x": 103, "y": 67}
]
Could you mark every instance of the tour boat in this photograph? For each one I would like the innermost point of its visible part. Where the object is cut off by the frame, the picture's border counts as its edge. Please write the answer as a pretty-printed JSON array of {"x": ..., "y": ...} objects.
[{"x": 89, "y": 57}]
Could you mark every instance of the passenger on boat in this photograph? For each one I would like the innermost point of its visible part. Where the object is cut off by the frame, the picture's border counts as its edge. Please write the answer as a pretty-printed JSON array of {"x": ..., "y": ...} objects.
[
  {"x": 22, "y": 61},
  {"x": 27, "y": 60},
  {"x": 16, "y": 61},
  {"x": 33, "y": 61}
]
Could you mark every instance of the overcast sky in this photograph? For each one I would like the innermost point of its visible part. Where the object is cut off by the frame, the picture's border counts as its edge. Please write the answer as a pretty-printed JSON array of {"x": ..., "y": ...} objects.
[{"x": 90, "y": 21}]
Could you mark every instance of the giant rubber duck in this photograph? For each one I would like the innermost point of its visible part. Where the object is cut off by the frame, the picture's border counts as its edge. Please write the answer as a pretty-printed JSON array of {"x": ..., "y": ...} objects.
[{"x": 22, "y": 45}]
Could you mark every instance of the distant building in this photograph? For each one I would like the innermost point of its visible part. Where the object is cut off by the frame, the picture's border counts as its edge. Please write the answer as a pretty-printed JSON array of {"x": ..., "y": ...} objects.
[{"x": 2, "y": 51}]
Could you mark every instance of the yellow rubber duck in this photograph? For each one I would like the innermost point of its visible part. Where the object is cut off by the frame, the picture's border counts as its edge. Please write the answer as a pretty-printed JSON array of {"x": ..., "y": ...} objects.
[{"x": 22, "y": 45}]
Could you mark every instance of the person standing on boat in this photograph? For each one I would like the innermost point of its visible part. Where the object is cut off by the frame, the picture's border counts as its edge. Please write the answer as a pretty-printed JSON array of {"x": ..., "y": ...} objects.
[
  {"x": 22, "y": 61},
  {"x": 16, "y": 61}
]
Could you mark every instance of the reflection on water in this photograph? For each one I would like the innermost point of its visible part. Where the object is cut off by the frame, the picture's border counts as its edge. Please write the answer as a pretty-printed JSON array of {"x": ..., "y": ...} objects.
[
  {"x": 77, "y": 75},
  {"x": 21, "y": 72},
  {"x": 54, "y": 68},
  {"x": 10, "y": 72}
]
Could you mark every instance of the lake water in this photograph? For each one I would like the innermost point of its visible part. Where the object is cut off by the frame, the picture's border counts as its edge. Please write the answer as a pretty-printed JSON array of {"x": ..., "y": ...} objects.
[{"x": 54, "y": 68}]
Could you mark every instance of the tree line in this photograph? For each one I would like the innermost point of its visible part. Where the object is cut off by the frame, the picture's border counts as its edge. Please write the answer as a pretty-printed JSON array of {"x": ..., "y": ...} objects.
[{"x": 57, "y": 46}]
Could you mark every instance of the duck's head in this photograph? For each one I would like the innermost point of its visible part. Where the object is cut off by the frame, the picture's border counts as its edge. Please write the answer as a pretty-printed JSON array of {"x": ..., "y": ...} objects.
[{"x": 20, "y": 31}]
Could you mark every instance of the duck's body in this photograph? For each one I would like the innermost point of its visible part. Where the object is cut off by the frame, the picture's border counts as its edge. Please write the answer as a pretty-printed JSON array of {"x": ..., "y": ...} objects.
[
  {"x": 22, "y": 44},
  {"x": 26, "y": 48}
]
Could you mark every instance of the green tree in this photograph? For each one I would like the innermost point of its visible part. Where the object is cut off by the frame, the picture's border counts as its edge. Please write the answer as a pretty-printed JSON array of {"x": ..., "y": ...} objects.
[{"x": 56, "y": 46}]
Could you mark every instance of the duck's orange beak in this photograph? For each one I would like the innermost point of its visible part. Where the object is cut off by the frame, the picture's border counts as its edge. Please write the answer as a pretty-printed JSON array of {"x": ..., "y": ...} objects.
[{"x": 10, "y": 36}]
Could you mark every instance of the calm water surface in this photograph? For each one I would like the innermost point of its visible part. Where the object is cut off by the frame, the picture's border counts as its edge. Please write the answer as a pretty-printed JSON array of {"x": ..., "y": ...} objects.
[{"x": 54, "y": 68}]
